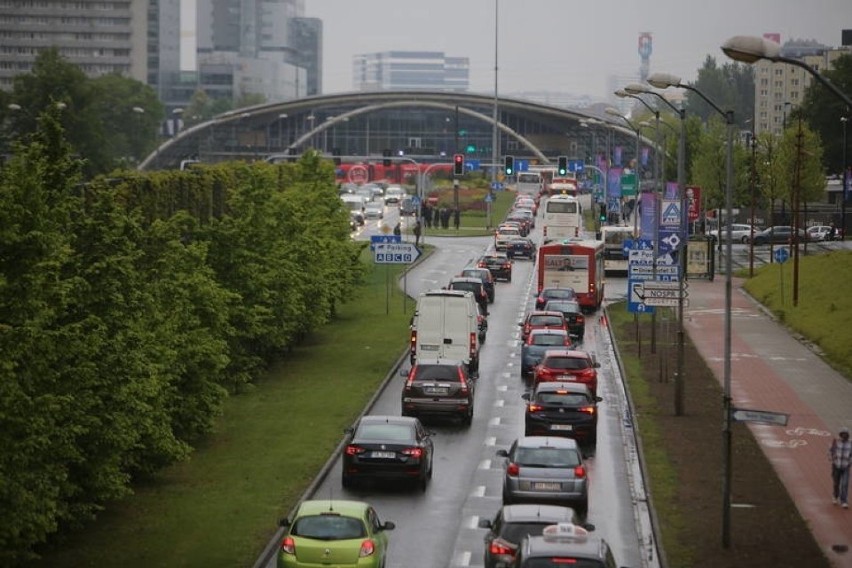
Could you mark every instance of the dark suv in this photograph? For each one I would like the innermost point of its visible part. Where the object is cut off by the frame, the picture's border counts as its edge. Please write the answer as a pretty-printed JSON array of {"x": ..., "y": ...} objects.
[
  {"x": 440, "y": 387},
  {"x": 475, "y": 285},
  {"x": 483, "y": 274},
  {"x": 499, "y": 264}
]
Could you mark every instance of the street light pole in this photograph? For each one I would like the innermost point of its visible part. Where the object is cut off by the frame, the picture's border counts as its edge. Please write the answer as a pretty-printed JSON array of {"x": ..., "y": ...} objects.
[
  {"x": 664, "y": 80},
  {"x": 846, "y": 181},
  {"x": 495, "y": 151}
]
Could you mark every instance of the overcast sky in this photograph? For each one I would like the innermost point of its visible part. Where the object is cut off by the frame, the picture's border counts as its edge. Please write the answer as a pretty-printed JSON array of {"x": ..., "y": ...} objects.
[{"x": 562, "y": 45}]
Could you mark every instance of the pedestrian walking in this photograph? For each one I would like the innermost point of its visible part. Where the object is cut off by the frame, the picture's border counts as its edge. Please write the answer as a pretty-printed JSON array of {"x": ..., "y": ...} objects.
[
  {"x": 840, "y": 454},
  {"x": 456, "y": 218},
  {"x": 427, "y": 215},
  {"x": 832, "y": 232},
  {"x": 397, "y": 230},
  {"x": 417, "y": 233}
]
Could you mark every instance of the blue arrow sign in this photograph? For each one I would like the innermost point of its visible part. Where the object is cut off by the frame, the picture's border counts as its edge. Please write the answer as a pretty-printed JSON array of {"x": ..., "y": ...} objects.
[
  {"x": 781, "y": 255},
  {"x": 496, "y": 185},
  {"x": 488, "y": 198}
]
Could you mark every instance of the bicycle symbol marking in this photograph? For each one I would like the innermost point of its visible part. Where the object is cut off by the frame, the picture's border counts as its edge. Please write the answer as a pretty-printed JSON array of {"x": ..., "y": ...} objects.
[
  {"x": 792, "y": 444},
  {"x": 800, "y": 431}
]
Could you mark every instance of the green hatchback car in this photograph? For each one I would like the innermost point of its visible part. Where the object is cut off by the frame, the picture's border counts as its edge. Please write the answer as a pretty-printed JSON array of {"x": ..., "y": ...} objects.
[{"x": 334, "y": 533}]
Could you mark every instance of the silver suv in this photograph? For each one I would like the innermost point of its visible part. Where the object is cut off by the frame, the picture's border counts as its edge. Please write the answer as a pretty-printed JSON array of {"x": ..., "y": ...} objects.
[{"x": 439, "y": 387}]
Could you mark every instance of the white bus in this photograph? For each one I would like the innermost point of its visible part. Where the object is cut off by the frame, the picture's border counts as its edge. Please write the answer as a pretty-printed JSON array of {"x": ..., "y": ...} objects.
[
  {"x": 563, "y": 218},
  {"x": 613, "y": 237}
]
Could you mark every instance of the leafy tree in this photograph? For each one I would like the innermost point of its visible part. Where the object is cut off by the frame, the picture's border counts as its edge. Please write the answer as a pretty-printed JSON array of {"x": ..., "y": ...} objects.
[
  {"x": 823, "y": 109},
  {"x": 117, "y": 103},
  {"x": 730, "y": 87}
]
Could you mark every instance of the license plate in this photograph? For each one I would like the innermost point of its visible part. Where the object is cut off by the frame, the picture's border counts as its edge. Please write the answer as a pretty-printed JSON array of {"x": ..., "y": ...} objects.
[
  {"x": 435, "y": 390},
  {"x": 429, "y": 347},
  {"x": 561, "y": 427},
  {"x": 541, "y": 486},
  {"x": 568, "y": 378},
  {"x": 383, "y": 455}
]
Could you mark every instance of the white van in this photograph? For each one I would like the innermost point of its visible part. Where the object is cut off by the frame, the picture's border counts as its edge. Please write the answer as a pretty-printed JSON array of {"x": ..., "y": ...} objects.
[
  {"x": 446, "y": 325},
  {"x": 353, "y": 202}
]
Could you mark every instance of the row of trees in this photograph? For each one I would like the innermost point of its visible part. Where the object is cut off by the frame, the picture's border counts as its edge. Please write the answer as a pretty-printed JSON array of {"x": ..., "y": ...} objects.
[
  {"x": 131, "y": 306},
  {"x": 809, "y": 148}
]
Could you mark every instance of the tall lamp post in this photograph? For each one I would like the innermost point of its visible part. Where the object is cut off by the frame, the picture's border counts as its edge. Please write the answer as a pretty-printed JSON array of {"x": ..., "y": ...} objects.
[
  {"x": 663, "y": 80},
  {"x": 846, "y": 181},
  {"x": 637, "y": 89}
]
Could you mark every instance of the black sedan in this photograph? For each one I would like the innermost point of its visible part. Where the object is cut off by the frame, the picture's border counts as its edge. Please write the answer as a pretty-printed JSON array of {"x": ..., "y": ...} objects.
[
  {"x": 388, "y": 447},
  {"x": 780, "y": 234},
  {"x": 573, "y": 315},
  {"x": 499, "y": 264},
  {"x": 562, "y": 409},
  {"x": 521, "y": 248}
]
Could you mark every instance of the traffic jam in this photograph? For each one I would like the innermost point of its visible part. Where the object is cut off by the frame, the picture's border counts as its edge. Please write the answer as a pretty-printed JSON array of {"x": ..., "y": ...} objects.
[{"x": 543, "y": 518}]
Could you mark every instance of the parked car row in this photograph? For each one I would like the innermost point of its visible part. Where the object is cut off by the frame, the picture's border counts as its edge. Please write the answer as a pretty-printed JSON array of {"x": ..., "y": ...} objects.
[{"x": 779, "y": 234}]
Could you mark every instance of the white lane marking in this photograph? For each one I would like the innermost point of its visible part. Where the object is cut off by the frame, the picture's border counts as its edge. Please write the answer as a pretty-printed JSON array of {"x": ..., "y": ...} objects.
[
  {"x": 491, "y": 441},
  {"x": 464, "y": 558},
  {"x": 473, "y": 522},
  {"x": 502, "y": 388},
  {"x": 500, "y": 402},
  {"x": 485, "y": 464},
  {"x": 479, "y": 491},
  {"x": 494, "y": 422}
]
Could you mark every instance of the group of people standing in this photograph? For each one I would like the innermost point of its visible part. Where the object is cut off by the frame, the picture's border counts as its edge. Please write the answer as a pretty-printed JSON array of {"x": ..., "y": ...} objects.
[{"x": 440, "y": 217}]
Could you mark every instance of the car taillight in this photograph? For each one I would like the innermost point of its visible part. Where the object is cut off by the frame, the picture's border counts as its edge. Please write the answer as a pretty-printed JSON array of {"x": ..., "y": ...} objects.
[
  {"x": 512, "y": 469},
  {"x": 544, "y": 231},
  {"x": 507, "y": 265},
  {"x": 534, "y": 407},
  {"x": 288, "y": 545},
  {"x": 500, "y": 546},
  {"x": 462, "y": 380},
  {"x": 413, "y": 342},
  {"x": 368, "y": 548},
  {"x": 413, "y": 452},
  {"x": 580, "y": 319},
  {"x": 472, "y": 345},
  {"x": 587, "y": 409},
  {"x": 587, "y": 373},
  {"x": 410, "y": 380},
  {"x": 580, "y": 472},
  {"x": 353, "y": 450}
]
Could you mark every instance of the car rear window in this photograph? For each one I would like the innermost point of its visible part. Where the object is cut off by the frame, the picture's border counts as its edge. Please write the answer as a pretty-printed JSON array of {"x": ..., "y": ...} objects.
[
  {"x": 466, "y": 286},
  {"x": 561, "y": 560},
  {"x": 547, "y": 457},
  {"x": 545, "y": 320},
  {"x": 570, "y": 399},
  {"x": 515, "y": 532},
  {"x": 561, "y": 293},
  {"x": 563, "y": 307},
  {"x": 329, "y": 527},
  {"x": 399, "y": 432},
  {"x": 547, "y": 339},
  {"x": 447, "y": 373},
  {"x": 570, "y": 363}
]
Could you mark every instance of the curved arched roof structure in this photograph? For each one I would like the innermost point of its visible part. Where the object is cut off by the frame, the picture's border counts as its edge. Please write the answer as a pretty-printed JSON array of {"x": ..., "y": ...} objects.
[{"x": 425, "y": 125}]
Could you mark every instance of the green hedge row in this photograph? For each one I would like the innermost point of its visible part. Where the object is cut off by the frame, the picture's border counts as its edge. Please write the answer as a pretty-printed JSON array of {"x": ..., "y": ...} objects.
[{"x": 131, "y": 306}]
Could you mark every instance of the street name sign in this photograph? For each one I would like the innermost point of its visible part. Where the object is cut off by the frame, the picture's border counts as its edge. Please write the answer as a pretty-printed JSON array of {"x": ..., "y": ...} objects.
[
  {"x": 396, "y": 253},
  {"x": 745, "y": 415}
]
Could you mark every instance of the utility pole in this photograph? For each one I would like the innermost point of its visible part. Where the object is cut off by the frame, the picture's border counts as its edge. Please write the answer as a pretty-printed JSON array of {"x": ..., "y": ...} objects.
[{"x": 797, "y": 192}]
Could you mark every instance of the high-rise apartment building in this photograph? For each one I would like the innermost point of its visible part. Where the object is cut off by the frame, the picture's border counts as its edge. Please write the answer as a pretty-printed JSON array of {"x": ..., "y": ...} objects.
[
  {"x": 780, "y": 87},
  {"x": 404, "y": 70},
  {"x": 100, "y": 37}
]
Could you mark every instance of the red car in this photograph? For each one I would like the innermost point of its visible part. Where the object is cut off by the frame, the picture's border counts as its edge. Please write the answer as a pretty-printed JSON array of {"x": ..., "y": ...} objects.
[
  {"x": 568, "y": 366},
  {"x": 542, "y": 320}
]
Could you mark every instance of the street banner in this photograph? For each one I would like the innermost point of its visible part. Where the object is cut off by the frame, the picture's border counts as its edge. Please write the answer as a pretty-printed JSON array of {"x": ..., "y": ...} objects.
[
  {"x": 671, "y": 191},
  {"x": 645, "y": 153},
  {"x": 613, "y": 183},
  {"x": 648, "y": 214},
  {"x": 693, "y": 203},
  {"x": 616, "y": 155}
]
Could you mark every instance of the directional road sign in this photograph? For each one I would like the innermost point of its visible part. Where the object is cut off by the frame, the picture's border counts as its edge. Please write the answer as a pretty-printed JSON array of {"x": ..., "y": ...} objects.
[
  {"x": 781, "y": 255},
  {"x": 378, "y": 239},
  {"x": 745, "y": 415},
  {"x": 396, "y": 253},
  {"x": 634, "y": 298},
  {"x": 496, "y": 185},
  {"x": 661, "y": 293}
]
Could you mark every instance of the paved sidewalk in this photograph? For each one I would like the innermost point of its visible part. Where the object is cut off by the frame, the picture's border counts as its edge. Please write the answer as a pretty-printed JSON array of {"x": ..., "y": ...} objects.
[{"x": 773, "y": 370}]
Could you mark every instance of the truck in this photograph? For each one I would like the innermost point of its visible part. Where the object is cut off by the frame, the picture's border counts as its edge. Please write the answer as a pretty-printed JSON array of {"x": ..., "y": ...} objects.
[{"x": 446, "y": 326}]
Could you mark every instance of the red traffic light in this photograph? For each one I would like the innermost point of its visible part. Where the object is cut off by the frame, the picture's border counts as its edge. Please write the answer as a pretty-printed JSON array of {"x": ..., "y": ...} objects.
[{"x": 458, "y": 164}]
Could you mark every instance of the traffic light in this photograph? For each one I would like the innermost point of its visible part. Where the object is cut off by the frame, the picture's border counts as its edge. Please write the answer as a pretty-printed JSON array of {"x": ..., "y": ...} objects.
[
  {"x": 387, "y": 162},
  {"x": 603, "y": 213},
  {"x": 458, "y": 165},
  {"x": 562, "y": 168},
  {"x": 510, "y": 166}
]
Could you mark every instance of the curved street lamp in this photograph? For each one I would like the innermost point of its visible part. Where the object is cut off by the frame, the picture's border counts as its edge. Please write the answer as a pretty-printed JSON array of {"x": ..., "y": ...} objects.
[
  {"x": 663, "y": 81},
  {"x": 751, "y": 49}
]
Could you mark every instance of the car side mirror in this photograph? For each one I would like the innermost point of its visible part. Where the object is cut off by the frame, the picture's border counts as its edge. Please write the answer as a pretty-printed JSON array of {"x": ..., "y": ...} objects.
[
  {"x": 349, "y": 430},
  {"x": 403, "y": 372},
  {"x": 484, "y": 523},
  {"x": 285, "y": 522},
  {"x": 388, "y": 526},
  {"x": 588, "y": 526},
  {"x": 526, "y": 396},
  {"x": 598, "y": 399},
  {"x": 502, "y": 453}
]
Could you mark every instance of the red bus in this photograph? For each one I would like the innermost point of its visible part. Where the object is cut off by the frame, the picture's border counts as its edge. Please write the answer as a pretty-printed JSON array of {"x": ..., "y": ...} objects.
[{"x": 573, "y": 263}]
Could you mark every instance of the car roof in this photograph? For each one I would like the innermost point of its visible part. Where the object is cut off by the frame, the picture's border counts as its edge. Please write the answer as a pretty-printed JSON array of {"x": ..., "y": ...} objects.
[
  {"x": 546, "y": 441},
  {"x": 445, "y": 292},
  {"x": 552, "y": 386},
  {"x": 567, "y": 353},
  {"x": 455, "y": 279},
  {"x": 548, "y": 331},
  {"x": 525, "y": 513},
  {"x": 545, "y": 313},
  {"x": 589, "y": 547},
  {"x": 342, "y": 506},
  {"x": 421, "y": 360},
  {"x": 387, "y": 419}
]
